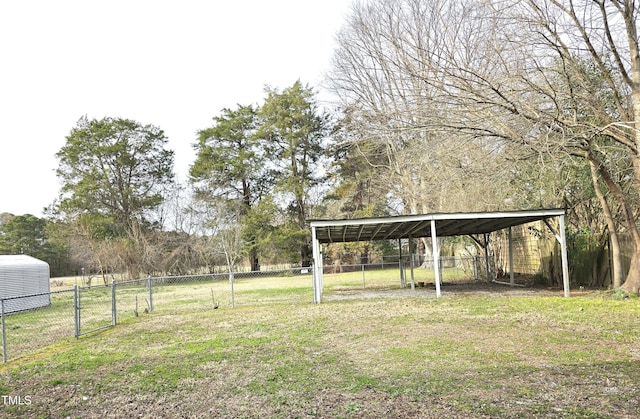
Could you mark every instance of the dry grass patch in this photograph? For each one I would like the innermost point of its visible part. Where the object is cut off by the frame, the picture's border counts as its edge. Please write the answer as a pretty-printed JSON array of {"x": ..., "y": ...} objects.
[{"x": 465, "y": 355}]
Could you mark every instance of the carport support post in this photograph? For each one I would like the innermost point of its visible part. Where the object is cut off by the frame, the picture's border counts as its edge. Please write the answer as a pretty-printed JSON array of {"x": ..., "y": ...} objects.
[
  {"x": 565, "y": 262},
  {"x": 317, "y": 267},
  {"x": 486, "y": 257},
  {"x": 401, "y": 265},
  {"x": 511, "y": 274},
  {"x": 320, "y": 270},
  {"x": 436, "y": 259},
  {"x": 411, "y": 263},
  {"x": 561, "y": 237}
]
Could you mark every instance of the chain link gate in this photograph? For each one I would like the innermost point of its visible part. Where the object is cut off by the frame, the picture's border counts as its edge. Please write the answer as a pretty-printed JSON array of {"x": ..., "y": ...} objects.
[{"x": 94, "y": 308}]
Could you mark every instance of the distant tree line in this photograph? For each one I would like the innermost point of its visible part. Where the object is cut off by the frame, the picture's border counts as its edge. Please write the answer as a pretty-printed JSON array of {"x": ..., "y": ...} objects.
[
  {"x": 257, "y": 177},
  {"x": 438, "y": 106}
]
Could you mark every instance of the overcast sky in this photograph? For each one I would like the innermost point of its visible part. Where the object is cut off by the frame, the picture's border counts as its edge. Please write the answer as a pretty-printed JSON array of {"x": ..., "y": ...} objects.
[{"x": 173, "y": 64}]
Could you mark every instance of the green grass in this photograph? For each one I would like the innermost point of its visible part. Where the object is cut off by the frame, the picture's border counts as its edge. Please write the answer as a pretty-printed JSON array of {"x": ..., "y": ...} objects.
[
  {"x": 390, "y": 277},
  {"x": 279, "y": 355}
]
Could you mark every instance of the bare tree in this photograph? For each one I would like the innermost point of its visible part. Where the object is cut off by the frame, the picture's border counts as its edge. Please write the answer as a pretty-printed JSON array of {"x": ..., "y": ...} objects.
[
  {"x": 563, "y": 77},
  {"x": 393, "y": 91},
  {"x": 390, "y": 84},
  {"x": 558, "y": 78}
]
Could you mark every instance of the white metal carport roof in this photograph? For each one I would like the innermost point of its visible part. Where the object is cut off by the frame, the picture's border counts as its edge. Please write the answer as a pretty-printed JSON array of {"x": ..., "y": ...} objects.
[{"x": 426, "y": 225}]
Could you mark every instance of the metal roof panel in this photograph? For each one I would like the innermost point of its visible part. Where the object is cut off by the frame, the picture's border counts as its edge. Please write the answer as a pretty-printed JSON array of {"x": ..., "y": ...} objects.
[{"x": 419, "y": 225}]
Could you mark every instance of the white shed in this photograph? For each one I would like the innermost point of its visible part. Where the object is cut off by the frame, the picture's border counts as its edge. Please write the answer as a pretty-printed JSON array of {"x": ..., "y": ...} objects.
[{"x": 22, "y": 275}]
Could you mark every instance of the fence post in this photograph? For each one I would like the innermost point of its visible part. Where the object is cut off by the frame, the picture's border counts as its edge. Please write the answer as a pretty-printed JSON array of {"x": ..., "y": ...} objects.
[
  {"x": 113, "y": 302},
  {"x": 76, "y": 309},
  {"x": 476, "y": 270},
  {"x": 4, "y": 336},
  {"x": 150, "y": 293},
  {"x": 233, "y": 295}
]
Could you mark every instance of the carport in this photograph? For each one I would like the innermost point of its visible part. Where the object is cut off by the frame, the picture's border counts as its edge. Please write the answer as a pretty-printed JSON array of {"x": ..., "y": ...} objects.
[{"x": 434, "y": 226}]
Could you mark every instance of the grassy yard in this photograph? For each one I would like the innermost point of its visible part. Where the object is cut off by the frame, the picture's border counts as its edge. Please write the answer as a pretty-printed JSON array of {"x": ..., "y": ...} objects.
[{"x": 464, "y": 355}]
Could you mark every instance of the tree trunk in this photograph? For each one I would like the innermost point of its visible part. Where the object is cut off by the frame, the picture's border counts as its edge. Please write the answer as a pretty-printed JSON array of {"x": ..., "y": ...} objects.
[
  {"x": 255, "y": 263},
  {"x": 616, "y": 256},
  {"x": 632, "y": 282},
  {"x": 428, "y": 262},
  {"x": 306, "y": 252},
  {"x": 364, "y": 255},
  {"x": 427, "y": 253}
]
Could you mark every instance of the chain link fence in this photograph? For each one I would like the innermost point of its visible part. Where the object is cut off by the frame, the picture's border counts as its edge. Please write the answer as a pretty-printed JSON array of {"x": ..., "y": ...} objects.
[
  {"x": 24, "y": 330},
  {"x": 402, "y": 272},
  {"x": 84, "y": 309},
  {"x": 80, "y": 310}
]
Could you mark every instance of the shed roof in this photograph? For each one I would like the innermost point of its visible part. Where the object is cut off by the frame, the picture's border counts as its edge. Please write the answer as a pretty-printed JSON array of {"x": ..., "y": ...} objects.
[
  {"x": 15, "y": 260},
  {"x": 447, "y": 224}
]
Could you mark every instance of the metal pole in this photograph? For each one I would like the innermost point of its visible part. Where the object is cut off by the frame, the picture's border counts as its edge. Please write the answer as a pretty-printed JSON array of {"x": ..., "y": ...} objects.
[
  {"x": 233, "y": 297},
  {"x": 317, "y": 267},
  {"x": 150, "y": 293},
  {"x": 436, "y": 257},
  {"x": 413, "y": 278},
  {"x": 411, "y": 264},
  {"x": 476, "y": 262},
  {"x": 400, "y": 264},
  {"x": 565, "y": 261},
  {"x": 512, "y": 276},
  {"x": 76, "y": 309},
  {"x": 320, "y": 271},
  {"x": 363, "y": 286},
  {"x": 561, "y": 237},
  {"x": 113, "y": 302},
  {"x": 486, "y": 257},
  {"x": 4, "y": 335}
]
